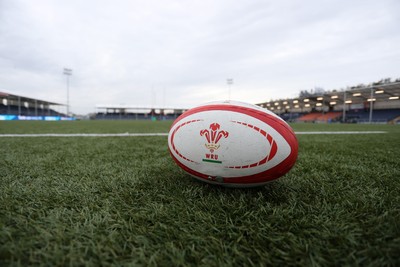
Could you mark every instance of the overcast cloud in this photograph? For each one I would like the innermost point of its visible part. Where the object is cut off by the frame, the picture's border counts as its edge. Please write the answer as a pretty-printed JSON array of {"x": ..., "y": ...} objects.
[{"x": 179, "y": 53}]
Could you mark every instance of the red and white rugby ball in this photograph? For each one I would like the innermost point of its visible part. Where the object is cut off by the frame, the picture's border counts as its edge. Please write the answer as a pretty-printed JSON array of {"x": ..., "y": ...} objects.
[{"x": 233, "y": 144}]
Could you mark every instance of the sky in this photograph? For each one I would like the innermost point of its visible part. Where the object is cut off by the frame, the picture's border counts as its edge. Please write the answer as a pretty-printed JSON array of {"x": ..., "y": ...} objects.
[{"x": 180, "y": 53}]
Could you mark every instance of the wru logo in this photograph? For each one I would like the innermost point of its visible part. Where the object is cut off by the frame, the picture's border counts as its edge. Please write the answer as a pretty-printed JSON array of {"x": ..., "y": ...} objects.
[{"x": 213, "y": 135}]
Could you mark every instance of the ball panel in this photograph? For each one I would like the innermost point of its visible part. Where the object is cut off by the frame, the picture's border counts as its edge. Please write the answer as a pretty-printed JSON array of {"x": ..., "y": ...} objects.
[{"x": 231, "y": 141}]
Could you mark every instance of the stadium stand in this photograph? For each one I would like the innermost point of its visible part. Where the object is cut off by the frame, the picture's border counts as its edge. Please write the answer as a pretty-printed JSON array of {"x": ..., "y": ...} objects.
[
  {"x": 136, "y": 113},
  {"x": 24, "y": 111},
  {"x": 378, "y": 102},
  {"x": 21, "y": 107}
]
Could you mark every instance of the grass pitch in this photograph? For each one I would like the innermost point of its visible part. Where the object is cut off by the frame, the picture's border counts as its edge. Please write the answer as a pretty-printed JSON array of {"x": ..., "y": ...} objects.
[{"x": 122, "y": 201}]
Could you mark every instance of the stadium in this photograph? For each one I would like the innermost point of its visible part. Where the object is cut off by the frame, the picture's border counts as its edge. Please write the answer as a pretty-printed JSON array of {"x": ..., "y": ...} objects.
[
  {"x": 378, "y": 102},
  {"x": 105, "y": 191},
  {"x": 16, "y": 107}
]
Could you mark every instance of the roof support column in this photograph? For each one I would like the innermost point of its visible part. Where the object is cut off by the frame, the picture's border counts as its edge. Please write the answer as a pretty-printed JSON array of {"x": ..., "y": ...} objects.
[
  {"x": 344, "y": 107},
  {"x": 19, "y": 105},
  {"x": 371, "y": 103},
  {"x": 8, "y": 106}
]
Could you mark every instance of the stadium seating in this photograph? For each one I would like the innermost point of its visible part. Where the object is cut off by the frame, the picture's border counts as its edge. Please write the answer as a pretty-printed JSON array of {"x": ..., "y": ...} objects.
[
  {"x": 319, "y": 117},
  {"x": 352, "y": 116},
  {"x": 133, "y": 116},
  {"x": 378, "y": 116},
  {"x": 3, "y": 109},
  {"x": 310, "y": 117},
  {"x": 24, "y": 111},
  {"x": 290, "y": 117},
  {"x": 329, "y": 117}
]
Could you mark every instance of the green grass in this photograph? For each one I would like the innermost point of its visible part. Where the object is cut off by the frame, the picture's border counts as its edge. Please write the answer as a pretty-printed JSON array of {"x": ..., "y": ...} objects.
[
  {"x": 95, "y": 126},
  {"x": 121, "y": 201}
]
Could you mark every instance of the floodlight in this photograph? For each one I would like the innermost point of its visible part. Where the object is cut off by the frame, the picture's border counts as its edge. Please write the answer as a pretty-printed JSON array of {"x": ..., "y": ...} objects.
[{"x": 67, "y": 72}]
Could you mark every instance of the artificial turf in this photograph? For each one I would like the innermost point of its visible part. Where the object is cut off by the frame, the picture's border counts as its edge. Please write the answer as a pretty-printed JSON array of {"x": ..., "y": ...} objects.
[{"x": 122, "y": 201}]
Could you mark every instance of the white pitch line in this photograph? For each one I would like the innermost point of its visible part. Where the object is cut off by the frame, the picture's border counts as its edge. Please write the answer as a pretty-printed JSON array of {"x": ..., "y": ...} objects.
[
  {"x": 85, "y": 135},
  {"x": 344, "y": 132},
  {"x": 159, "y": 134}
]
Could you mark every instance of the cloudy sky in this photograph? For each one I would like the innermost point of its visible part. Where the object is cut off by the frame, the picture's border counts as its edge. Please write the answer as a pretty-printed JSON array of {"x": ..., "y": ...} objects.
[{"x": 179, "y": 53}]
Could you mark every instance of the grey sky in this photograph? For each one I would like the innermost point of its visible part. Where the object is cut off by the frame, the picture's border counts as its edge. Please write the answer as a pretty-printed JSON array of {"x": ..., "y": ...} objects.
[{"x": 180, "y": 53}]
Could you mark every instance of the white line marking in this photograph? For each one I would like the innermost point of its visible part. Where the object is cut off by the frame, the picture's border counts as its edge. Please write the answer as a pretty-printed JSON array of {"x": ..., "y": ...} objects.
[
  {"x": 157, "y": 134},
  {"x": 85, "y": 135},
  {"x": 344, "y": 132}
]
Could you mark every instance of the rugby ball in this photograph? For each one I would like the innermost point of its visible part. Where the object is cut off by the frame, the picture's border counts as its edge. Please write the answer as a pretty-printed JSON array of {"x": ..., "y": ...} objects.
[{"x": 232, "y": 143}]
